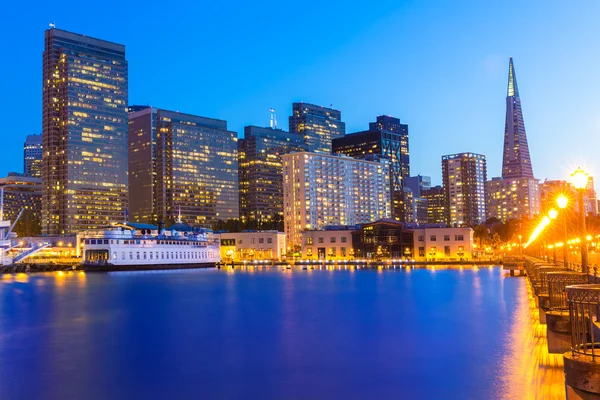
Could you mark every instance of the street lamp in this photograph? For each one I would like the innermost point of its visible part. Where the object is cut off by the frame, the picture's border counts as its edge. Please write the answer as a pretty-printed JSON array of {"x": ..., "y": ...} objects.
[
  {"x": 562, "y": 202},
  {"x": 579, "y": 179}
]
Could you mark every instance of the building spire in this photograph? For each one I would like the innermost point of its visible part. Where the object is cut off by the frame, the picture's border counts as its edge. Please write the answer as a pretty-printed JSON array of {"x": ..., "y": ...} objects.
[
  {"x": 516, "y": 162},
  {"x": 513, "y": 89}
]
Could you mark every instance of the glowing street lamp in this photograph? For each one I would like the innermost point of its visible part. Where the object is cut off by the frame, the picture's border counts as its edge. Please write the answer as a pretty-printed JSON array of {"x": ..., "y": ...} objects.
[
  {"x": 562, "y": 201},
  {"x": 579, "y": 179},
  {"x": 553, "y": 214}
]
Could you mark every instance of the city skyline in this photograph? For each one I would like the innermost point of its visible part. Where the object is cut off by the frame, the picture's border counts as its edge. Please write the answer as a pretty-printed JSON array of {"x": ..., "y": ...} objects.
[{"x": 429, "y": 96}]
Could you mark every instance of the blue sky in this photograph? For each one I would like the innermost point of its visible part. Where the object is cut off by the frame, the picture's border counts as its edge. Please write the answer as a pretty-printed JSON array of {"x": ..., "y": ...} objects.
[{"x": 440, "y": 66}]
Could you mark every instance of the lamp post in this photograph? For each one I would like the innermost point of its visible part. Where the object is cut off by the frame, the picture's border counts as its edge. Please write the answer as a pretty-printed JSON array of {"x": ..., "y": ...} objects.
[
  {"x": 579, "y": 179},
  {"x": 553, "y": 214},
  {"x": 562, "y": 202}
]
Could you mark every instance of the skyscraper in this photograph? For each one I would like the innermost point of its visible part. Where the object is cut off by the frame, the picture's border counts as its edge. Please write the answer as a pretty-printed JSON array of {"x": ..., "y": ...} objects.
[
  {"x": 386, "y": 138},
  {"x": 318, "y": 125},
  {"x": 84, "y": 165},
  {"x": 196, "y": 169},
  {"x": 321, "y": 190},
  {"x": 261, "y": 170},
  {"x": 142, "y": 164},
  {"x": 464, "y": 177},
  {"x": 436, "y": 204},
  {"x": 516, "y": 162},
  {"x": 32, "y": 156},
  {"x": 516, "y": 194}
]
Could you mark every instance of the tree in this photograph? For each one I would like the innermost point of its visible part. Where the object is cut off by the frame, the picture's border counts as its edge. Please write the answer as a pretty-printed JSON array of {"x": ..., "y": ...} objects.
[
  {"x": 28, "y": 225},
  {"x": 480, "y": 232}
]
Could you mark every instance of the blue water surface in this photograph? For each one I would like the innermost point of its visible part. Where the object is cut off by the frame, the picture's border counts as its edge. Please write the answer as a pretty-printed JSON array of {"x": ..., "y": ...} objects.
[{"x": 258, "y": 333}]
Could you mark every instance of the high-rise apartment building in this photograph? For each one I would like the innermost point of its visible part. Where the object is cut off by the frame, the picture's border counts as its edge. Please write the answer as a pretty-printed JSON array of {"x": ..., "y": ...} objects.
[
  {"x": 436, "y": 204},
  {"x": 196, "y": 169},
  {"x": 32, "y": 156},
  {"x": 318, "y": 125},
  {"x": 516, "y": 194},
  {"x": 386, "y": 138},
  {"x": 464, "y": 177},
  {"x": 261, "y": 170},
  {"x": 84, "y": 102},
  {"x": 322, "y": 190}
]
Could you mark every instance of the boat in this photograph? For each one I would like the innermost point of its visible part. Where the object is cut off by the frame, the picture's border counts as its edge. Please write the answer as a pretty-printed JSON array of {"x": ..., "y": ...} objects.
[{"x": 123, "y": 248}]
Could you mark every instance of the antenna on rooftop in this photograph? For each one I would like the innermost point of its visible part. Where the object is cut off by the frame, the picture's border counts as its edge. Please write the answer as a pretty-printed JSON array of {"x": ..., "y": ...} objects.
[{"x": 273, "y": 122}]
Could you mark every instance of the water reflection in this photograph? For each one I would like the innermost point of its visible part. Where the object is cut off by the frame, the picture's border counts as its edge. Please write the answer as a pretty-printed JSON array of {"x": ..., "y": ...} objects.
[{"x": 530, "y": 371}]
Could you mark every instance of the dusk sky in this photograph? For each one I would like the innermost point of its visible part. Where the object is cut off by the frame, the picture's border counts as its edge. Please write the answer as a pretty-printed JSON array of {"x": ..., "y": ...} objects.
[{"x": 440, "y": 66}]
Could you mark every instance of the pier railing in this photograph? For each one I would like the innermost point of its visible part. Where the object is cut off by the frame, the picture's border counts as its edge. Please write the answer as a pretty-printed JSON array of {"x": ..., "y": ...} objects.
[
  {"x": 584, "y": 308},
  {"x": 557, "y": 283},
  {"x": 542, "y": 273}
]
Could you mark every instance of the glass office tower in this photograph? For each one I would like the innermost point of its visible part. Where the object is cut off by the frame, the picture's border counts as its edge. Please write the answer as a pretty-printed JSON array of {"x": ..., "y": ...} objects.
[
  {"x": 319, "y": 126},
  {"x": 84, "y": 162}
]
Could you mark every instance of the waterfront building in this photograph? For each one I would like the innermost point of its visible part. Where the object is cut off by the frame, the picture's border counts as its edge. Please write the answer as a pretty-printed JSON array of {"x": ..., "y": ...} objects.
[
  {"x": 436, "y": 208},
  {"x": 464, "y": 177},
  {"x": 318, "y": 125},
  {"x": 252, "y": 246},
  {"x": 386, "y": 238},
  {"x": 84, "y": 120},
  {"x": 261, "y": 170},
  {"x": 32, "y": 156},
  {"x": 386, "y": 138},
  {"x": 196, "y": 169},
  {"x": 142, "y": 164},
  {"x": 22, "y": 192},
  {"x": 516, "y": 194},
  {"x": 332, "y": 243},
  {"x": 443, "y": 244},
  {"x": 321, "y": 190}
]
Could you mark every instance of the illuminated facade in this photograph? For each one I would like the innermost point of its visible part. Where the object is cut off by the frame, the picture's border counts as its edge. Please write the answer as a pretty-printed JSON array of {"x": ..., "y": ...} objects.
[
  {"x": 512, "y": 198},
  {"x": 318, "y": 125},
  {"x": 443, "y": 244},
  {"x": 196, "y": 169},
  {"x": 142, "y": 164},
  {"x": 23, "y": 193},
  {"x": 261, "y": 170},
  {"x": 386, "y": 138},
  {"x": 551, "y": 189},
  {"x": 464, "y": 177},
  {"x": 252, "y": 246},
  {"x": 516, "y": 162},
  {"x": 329, "y": 244},
  {"x": 436, "y": 204},
  {"x": 383, "y": 239},
  {"x": 325, "y": 190},
  {"x": 84, "y": 117},
  {"x": 32, "y": 156},
  {"x": 516, "y": 194}
]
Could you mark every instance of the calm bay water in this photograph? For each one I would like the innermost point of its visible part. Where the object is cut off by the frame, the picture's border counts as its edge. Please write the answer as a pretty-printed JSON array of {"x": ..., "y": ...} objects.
[{"x": 273, "y": 334}]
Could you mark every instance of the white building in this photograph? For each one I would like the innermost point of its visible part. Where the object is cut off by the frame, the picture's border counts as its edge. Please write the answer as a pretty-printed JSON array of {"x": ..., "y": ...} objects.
[
  {"x": 253, "y": 245},
  {"x": 512, "y": 198},
  {"x": 443, "y": 244},
  {"x": 327, "y": 244},
  {"x": 321, "y": 190}
]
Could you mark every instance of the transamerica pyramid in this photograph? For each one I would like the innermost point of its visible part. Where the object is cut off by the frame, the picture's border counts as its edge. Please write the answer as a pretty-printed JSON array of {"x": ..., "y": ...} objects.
[{"x": 516, "y": 162}]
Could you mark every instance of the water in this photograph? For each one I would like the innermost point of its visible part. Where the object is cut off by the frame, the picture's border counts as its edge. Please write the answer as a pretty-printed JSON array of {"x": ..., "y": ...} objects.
[{"x": 273, "y": 334}]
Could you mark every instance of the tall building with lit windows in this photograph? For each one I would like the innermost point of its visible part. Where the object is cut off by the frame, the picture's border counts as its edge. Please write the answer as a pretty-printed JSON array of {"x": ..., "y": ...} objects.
[
  {"x": 318, "y": 125},
  {"x": 386, "y": 138},
  {"x": 322, "y": 190},
  {"x": 142, "y": 164},
  {"x": 84, "y": 132},
  {"x": 464, "y": 177},
  {"x": 32, "y": 156},
  {"x": 517, "y": 193},
  {"x": 196, "y": 169},
  {"x": 436, "y": 204},
  {"x": 261, "y": 171}
]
